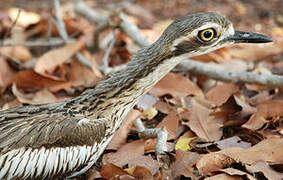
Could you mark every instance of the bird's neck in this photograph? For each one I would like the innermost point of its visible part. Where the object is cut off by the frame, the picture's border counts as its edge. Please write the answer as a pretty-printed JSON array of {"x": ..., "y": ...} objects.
[{"x": 123, "y": 89}]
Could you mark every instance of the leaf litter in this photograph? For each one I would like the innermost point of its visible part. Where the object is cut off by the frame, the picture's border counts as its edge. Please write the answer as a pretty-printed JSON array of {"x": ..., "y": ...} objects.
[{"x": 217, "y": 130}]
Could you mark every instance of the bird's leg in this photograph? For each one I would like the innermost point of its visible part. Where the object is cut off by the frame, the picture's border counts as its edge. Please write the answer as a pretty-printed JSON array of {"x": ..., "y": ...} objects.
[{"x": 160, "y": 133}]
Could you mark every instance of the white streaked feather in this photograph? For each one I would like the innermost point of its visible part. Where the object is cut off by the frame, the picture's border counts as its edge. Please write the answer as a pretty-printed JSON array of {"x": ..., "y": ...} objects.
[{"x": 41, "y": 161}]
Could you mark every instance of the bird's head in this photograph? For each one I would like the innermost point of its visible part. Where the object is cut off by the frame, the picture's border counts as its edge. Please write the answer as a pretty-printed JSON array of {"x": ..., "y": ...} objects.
[{"x": 201, "y": 33}]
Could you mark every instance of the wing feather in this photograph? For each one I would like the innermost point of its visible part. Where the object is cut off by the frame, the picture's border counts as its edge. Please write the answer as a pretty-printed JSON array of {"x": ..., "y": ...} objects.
[{"x": 18, "y": 128}]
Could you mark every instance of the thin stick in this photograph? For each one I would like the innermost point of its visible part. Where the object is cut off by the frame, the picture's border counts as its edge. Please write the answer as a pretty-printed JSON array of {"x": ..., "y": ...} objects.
[{"x": 160, "y": 133}]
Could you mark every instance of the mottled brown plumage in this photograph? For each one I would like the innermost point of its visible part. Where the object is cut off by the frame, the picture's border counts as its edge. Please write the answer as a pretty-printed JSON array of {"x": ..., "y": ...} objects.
[{"x": 66, "y": 138}]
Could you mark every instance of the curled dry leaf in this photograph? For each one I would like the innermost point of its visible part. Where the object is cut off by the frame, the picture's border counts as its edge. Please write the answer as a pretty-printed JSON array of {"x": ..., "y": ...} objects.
[
  {"x": 234, "y": 141},
  {"x": 146, "y": 161},
  {"x": 268, "y": 150},
  {"x": 40, "y": 97},
  {"x": 220, "y": 93},
  {"x": 109, "y": 171},
  {"x": 18, "y": 52},
  {"x": 6, "y": 73},
  {"x": 177, "y": 86},
  {"x": 121, "y": 135},
  {"x": 232, "y": 171},
  {"x": 141, "y": 172},
  {"x": 80, "y": 75},
  {"x": 47, "y": 63},
  {"x": 223, "y": 177},
  {"x": 185, "y": 160},
  {"x": 264, "y": 112},
  {"x": 28, "y": 79},
  {"x": 202, "y": 122},
  {"x": 171, "y": 123},
  {"x": 264, "y": 168},
  {"x": 256, "y": 52},
  {"x": 125, "y": 154}
]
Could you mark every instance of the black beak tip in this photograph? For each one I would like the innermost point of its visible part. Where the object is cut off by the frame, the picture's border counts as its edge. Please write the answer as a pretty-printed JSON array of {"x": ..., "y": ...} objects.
[{"x": 246, "y": 37}]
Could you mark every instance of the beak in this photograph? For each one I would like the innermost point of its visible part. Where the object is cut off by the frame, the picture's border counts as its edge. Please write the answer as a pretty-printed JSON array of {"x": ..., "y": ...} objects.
[{"x": 246, "y": 37}]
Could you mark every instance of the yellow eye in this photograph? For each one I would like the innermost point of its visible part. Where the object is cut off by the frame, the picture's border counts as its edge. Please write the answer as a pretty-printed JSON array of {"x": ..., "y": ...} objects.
[{"x": 207, "y": 34}]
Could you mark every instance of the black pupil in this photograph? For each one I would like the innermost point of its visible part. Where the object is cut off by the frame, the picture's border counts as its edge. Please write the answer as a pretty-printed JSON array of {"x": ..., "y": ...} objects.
[{"x": 207, "y": 34}]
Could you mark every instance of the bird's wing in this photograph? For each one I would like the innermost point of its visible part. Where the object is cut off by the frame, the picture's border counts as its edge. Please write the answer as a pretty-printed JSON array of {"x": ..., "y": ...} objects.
[{"x": 33, "y": 126}]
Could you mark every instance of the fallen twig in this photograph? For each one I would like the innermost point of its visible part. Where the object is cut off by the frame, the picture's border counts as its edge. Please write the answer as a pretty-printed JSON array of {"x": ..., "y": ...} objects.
[
  {"x": 160, "y": 133},
  {"x": 52, "y": 42},
  {"x": 60, "y": 25},
  {"x": 126, "y": 26},
  {"x": 219, "y": 73}
]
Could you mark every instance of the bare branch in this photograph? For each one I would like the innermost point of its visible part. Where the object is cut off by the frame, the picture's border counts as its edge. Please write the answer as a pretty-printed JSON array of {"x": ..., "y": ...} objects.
[
  {"x": 160, "y": 133},
  {"x": 60, "y": 25},
  {"x": 219, "y": 73}
]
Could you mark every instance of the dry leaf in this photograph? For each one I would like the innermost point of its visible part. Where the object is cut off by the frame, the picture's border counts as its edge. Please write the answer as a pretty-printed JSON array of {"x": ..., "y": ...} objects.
[
  {"x": 202, "y": 122},
  {"x": 109, "y": 171},
  {"x": 171, "y": 123},
  {"x": 234, "y": 141},
  {"x": 28, "y": 79},
  {"x": 232, "y": 171},
  {"x": 6, "y": 73},
  {"x": 177, "y": 86},
  {"x": 145, "y": 161},
  {"x": 264, "y": 168},
  {"x": 141, "y": 172},
  {"x": 79, "y": 75},
  {"x": 25, "y": 18},
  {"x": 185, "y": 160},
  {"x": 220, "y": 93},
  {"x": 268, "y": 150},
  {"x": 122, "y": 133},
  {"x": 125, "y": 154},
  {"x": 184, "y": 144},
  {"x": 47, "y": 63},
  {"x": 18, "y": 52},
  {"x": 256, "y": 52},
  {"x": 264, "y": 112},
  {"x": 40, "y": 97},
  {"x": 223, "y": 177}
]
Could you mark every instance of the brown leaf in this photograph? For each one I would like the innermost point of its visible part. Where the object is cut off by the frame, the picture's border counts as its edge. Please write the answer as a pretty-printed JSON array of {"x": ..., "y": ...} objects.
[
  {"x": 185, "y": 160},
  {"x": 211, "y": 163},
  {"x": 28, "y": 79},
  {"x": 260, "y": 152},
  {"x": 264, "y": 112},
  {"x": 145, "y": 161},
  {"x": 223, "y": 177},
  {"x": 177, "y": 86},
  {"x": 234, "y": 141},
  {"x": 264, "y": 168},
  {"x": 125, "y": 154},
  {"x": 256, "y": 52},
  {"x": 80, "y": 75},
  {"x": 220, "y": 93},
  {"x": 18, "y": 52},
  {"x": 109, "y": 171},
  {"x": 141, "y": 172},
  {"x": 171, "y": 123},
  {"x": 122, "y": 134},
  {"x": 232, "y": 171},
  {"x": 202, "y": 122},
  {"x": 47, "y": 63},
  {"x": 6, "y": 73},
  {"x": 40, "y": 97}
]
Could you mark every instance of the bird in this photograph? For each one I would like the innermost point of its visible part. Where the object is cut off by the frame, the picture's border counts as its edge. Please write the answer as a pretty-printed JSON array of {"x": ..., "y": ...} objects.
[{"x": 64, "y": 139}]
